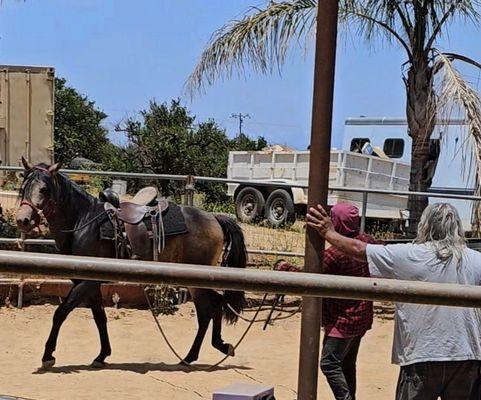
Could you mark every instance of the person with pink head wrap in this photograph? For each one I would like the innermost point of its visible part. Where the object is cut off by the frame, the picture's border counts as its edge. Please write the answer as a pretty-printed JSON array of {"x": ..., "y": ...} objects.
[{"x": 345, "y": 321}]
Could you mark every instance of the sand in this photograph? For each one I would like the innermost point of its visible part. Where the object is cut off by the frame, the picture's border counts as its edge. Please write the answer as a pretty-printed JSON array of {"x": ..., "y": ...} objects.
[{"x": 142, "y": 367}]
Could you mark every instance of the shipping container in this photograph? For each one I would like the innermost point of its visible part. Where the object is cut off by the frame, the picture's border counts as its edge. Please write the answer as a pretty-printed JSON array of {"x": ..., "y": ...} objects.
[{"x": 26, "y": 114}]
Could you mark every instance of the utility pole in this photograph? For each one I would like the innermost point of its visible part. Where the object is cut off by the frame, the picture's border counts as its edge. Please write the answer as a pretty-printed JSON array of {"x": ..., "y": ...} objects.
[{"x": 241, "y": 118}]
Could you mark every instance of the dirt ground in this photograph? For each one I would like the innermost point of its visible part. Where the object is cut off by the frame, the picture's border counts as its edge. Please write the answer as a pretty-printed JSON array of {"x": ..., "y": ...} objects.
[{"x": 142, "y": 367}]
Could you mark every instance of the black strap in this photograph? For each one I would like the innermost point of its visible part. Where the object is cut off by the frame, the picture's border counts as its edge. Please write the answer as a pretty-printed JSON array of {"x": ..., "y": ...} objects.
[{"x": 86, "y": 224}]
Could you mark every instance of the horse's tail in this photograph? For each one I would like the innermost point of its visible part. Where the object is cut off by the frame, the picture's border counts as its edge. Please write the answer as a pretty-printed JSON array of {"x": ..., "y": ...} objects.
[{"x": 235, "y": 256}]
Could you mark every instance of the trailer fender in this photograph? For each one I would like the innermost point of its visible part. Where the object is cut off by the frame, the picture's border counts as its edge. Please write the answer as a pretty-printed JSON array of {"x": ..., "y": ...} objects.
[{"x": 299, "y": 196}]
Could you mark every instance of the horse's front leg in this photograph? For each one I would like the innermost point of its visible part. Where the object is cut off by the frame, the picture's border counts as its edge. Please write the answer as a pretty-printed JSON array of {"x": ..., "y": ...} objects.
[
  {"x": 74, "y": 298},
  {"x": 100, "y": 318}
]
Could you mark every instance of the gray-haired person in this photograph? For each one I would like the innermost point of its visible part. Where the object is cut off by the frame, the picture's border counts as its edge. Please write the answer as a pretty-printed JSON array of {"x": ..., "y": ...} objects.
[{"x": 437, "y": 347}]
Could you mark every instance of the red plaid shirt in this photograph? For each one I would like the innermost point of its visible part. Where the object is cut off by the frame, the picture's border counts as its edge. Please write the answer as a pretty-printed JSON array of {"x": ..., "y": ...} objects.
[{"x": 344, "y": 316}]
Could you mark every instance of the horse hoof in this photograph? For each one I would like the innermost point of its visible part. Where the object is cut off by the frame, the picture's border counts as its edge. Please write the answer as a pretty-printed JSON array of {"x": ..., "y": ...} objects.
[
  {"x": 97, "y": 365},
  {"x": 188, "y": 360},
  {"x": 48, "y": 363},
  {"x": 231, "y": 351}
]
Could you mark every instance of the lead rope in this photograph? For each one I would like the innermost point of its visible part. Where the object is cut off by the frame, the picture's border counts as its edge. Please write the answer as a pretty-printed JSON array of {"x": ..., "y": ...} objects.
[
  {"x": 279, "y": 316},
  {"x": 179, "y": 357}
]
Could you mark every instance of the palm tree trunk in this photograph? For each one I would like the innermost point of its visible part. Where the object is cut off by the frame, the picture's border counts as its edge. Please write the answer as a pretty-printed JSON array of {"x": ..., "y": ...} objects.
[{"x": 421, "y": 117}]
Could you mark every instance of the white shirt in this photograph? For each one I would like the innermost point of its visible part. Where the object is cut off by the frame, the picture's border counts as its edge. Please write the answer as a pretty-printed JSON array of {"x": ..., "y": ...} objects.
[{"x": 428, "y": 332}]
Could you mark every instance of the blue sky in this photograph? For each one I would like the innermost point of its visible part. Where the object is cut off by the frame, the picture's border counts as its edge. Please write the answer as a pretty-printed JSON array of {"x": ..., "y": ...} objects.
[{"x": 121, "y": 53}]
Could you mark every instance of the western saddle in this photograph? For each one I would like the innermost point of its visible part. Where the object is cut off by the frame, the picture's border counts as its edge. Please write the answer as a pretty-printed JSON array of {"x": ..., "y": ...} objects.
[{"x": 128, "y": 217}]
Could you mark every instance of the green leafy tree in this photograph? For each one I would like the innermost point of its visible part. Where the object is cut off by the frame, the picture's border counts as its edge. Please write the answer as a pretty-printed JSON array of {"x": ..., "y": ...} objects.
[
  {"x": 242, "y": 142},
  {"x": 262, "y": 39},
  {"x": 167, "y": 140},
  {"x": 78, "y": 128}
]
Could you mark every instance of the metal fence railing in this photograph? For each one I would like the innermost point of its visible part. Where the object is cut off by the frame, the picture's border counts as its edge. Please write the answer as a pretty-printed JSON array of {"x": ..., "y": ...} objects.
[
  {"x": 189, "y": 182},
  {"x": 305, "y": 284}
]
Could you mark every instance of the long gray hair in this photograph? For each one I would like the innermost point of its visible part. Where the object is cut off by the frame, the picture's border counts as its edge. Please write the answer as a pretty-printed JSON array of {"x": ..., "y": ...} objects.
[{"x": 441, "y": 227}]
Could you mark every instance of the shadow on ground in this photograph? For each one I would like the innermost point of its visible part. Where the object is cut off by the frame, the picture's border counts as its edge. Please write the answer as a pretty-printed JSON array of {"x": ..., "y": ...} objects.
[{"x": 140, "y": 368}]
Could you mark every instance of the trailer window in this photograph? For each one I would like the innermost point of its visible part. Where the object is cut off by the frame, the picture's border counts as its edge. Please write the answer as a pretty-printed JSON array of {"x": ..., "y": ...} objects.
[
  {"x": 357, "y": 143},
  {"x": 394, "y": 148}
]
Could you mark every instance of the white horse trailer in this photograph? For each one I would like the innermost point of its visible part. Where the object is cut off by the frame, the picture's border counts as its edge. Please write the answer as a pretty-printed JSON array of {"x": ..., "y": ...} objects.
[
  {"x": 349, "y": 169},
  {"x": 454, "y": 172}
]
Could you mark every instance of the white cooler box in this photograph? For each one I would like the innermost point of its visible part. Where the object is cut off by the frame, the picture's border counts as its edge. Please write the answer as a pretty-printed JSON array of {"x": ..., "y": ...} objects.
[{"x": 244, "y": 391}]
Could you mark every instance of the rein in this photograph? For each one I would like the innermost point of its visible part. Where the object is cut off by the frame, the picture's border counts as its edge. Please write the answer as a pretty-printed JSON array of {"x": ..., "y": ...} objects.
[{"x": 91, "y": 221}]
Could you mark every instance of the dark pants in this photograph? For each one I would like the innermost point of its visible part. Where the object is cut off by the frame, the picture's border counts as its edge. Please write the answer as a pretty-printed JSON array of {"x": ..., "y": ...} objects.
[
  {"x": 449, "y": 380},
  {"x": 338, "y": 364}
]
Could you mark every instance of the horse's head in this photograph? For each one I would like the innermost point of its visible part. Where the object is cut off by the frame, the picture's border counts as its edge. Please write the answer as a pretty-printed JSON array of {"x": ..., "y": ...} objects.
[{"x": 37, "y": 194}]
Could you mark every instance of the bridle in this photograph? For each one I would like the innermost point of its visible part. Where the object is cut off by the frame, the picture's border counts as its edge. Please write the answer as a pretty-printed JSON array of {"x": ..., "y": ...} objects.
[{"x": 49, "y": 209}]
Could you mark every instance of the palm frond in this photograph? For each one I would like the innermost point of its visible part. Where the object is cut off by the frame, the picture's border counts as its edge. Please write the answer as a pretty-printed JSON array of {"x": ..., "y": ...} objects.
[
  {"x": 379, "y": 19},
  {"x": 260, "y": 40},
  {"x": 263, "y": 37},
  {"x": 411, "y": 23},
  {"x": 456, "y": 96}
]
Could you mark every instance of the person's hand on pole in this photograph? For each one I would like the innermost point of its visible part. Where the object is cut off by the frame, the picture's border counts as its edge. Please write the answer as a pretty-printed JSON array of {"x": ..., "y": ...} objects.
[{"x": 319, "y": 220}]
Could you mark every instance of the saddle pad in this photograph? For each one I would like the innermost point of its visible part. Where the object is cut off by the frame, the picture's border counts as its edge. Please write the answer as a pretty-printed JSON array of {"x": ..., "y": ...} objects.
[{"x": 173, "y": 220}]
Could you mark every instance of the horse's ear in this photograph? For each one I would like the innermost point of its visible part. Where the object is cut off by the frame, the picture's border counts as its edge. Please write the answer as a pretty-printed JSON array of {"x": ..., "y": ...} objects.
[
  {"x": 54, "y": 168},
  {"x": 26, "y": 165}
]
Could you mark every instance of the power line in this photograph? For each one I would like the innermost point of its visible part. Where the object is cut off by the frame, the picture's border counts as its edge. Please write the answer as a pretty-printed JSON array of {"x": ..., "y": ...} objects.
[{"x": 254, "y": 122}]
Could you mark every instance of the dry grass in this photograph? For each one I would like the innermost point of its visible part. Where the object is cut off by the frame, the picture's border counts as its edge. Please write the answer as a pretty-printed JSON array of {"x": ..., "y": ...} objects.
[{"x": 263, "y": 238}]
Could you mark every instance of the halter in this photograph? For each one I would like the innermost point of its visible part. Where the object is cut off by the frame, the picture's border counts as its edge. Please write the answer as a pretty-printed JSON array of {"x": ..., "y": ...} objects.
[
  {"x": 31, "y": 205},
  {"x": 48, "y": 210},
  {"x": 38, "y": 168}
]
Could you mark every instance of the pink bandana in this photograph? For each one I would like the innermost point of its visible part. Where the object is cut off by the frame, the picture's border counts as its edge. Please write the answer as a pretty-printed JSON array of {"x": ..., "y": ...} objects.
[{"x": 345, "y": 218}]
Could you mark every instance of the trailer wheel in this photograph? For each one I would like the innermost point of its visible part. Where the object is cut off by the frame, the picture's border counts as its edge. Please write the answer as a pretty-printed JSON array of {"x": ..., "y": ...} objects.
[
  {"x": 249, "y": 205},
  {"x": 280, "y": 208}
]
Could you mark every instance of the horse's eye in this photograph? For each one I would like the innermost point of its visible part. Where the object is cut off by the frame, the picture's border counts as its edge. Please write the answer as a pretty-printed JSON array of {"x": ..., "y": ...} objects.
[{"x": 43, "y": 190}]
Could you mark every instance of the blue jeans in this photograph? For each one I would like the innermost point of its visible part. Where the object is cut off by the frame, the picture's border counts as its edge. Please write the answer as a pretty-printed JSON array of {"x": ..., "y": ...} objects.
[{"x": 338, "y": 364}]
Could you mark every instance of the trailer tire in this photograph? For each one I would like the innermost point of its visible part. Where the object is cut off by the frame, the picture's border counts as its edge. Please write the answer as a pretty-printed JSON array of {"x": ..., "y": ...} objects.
[
  {"x": 279, "y": 210},
  {"x": 249, "y": 205}
]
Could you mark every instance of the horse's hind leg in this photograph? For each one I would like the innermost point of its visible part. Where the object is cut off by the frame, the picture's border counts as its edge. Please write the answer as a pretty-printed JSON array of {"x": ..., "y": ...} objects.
[
  {"x": 100, "y": 318},
  {"x": 217, "y": 341},
  {"x": 76, "y": 295},
  {"x": 203, "y": 310},
  {"x": 208, "y": 305}
]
